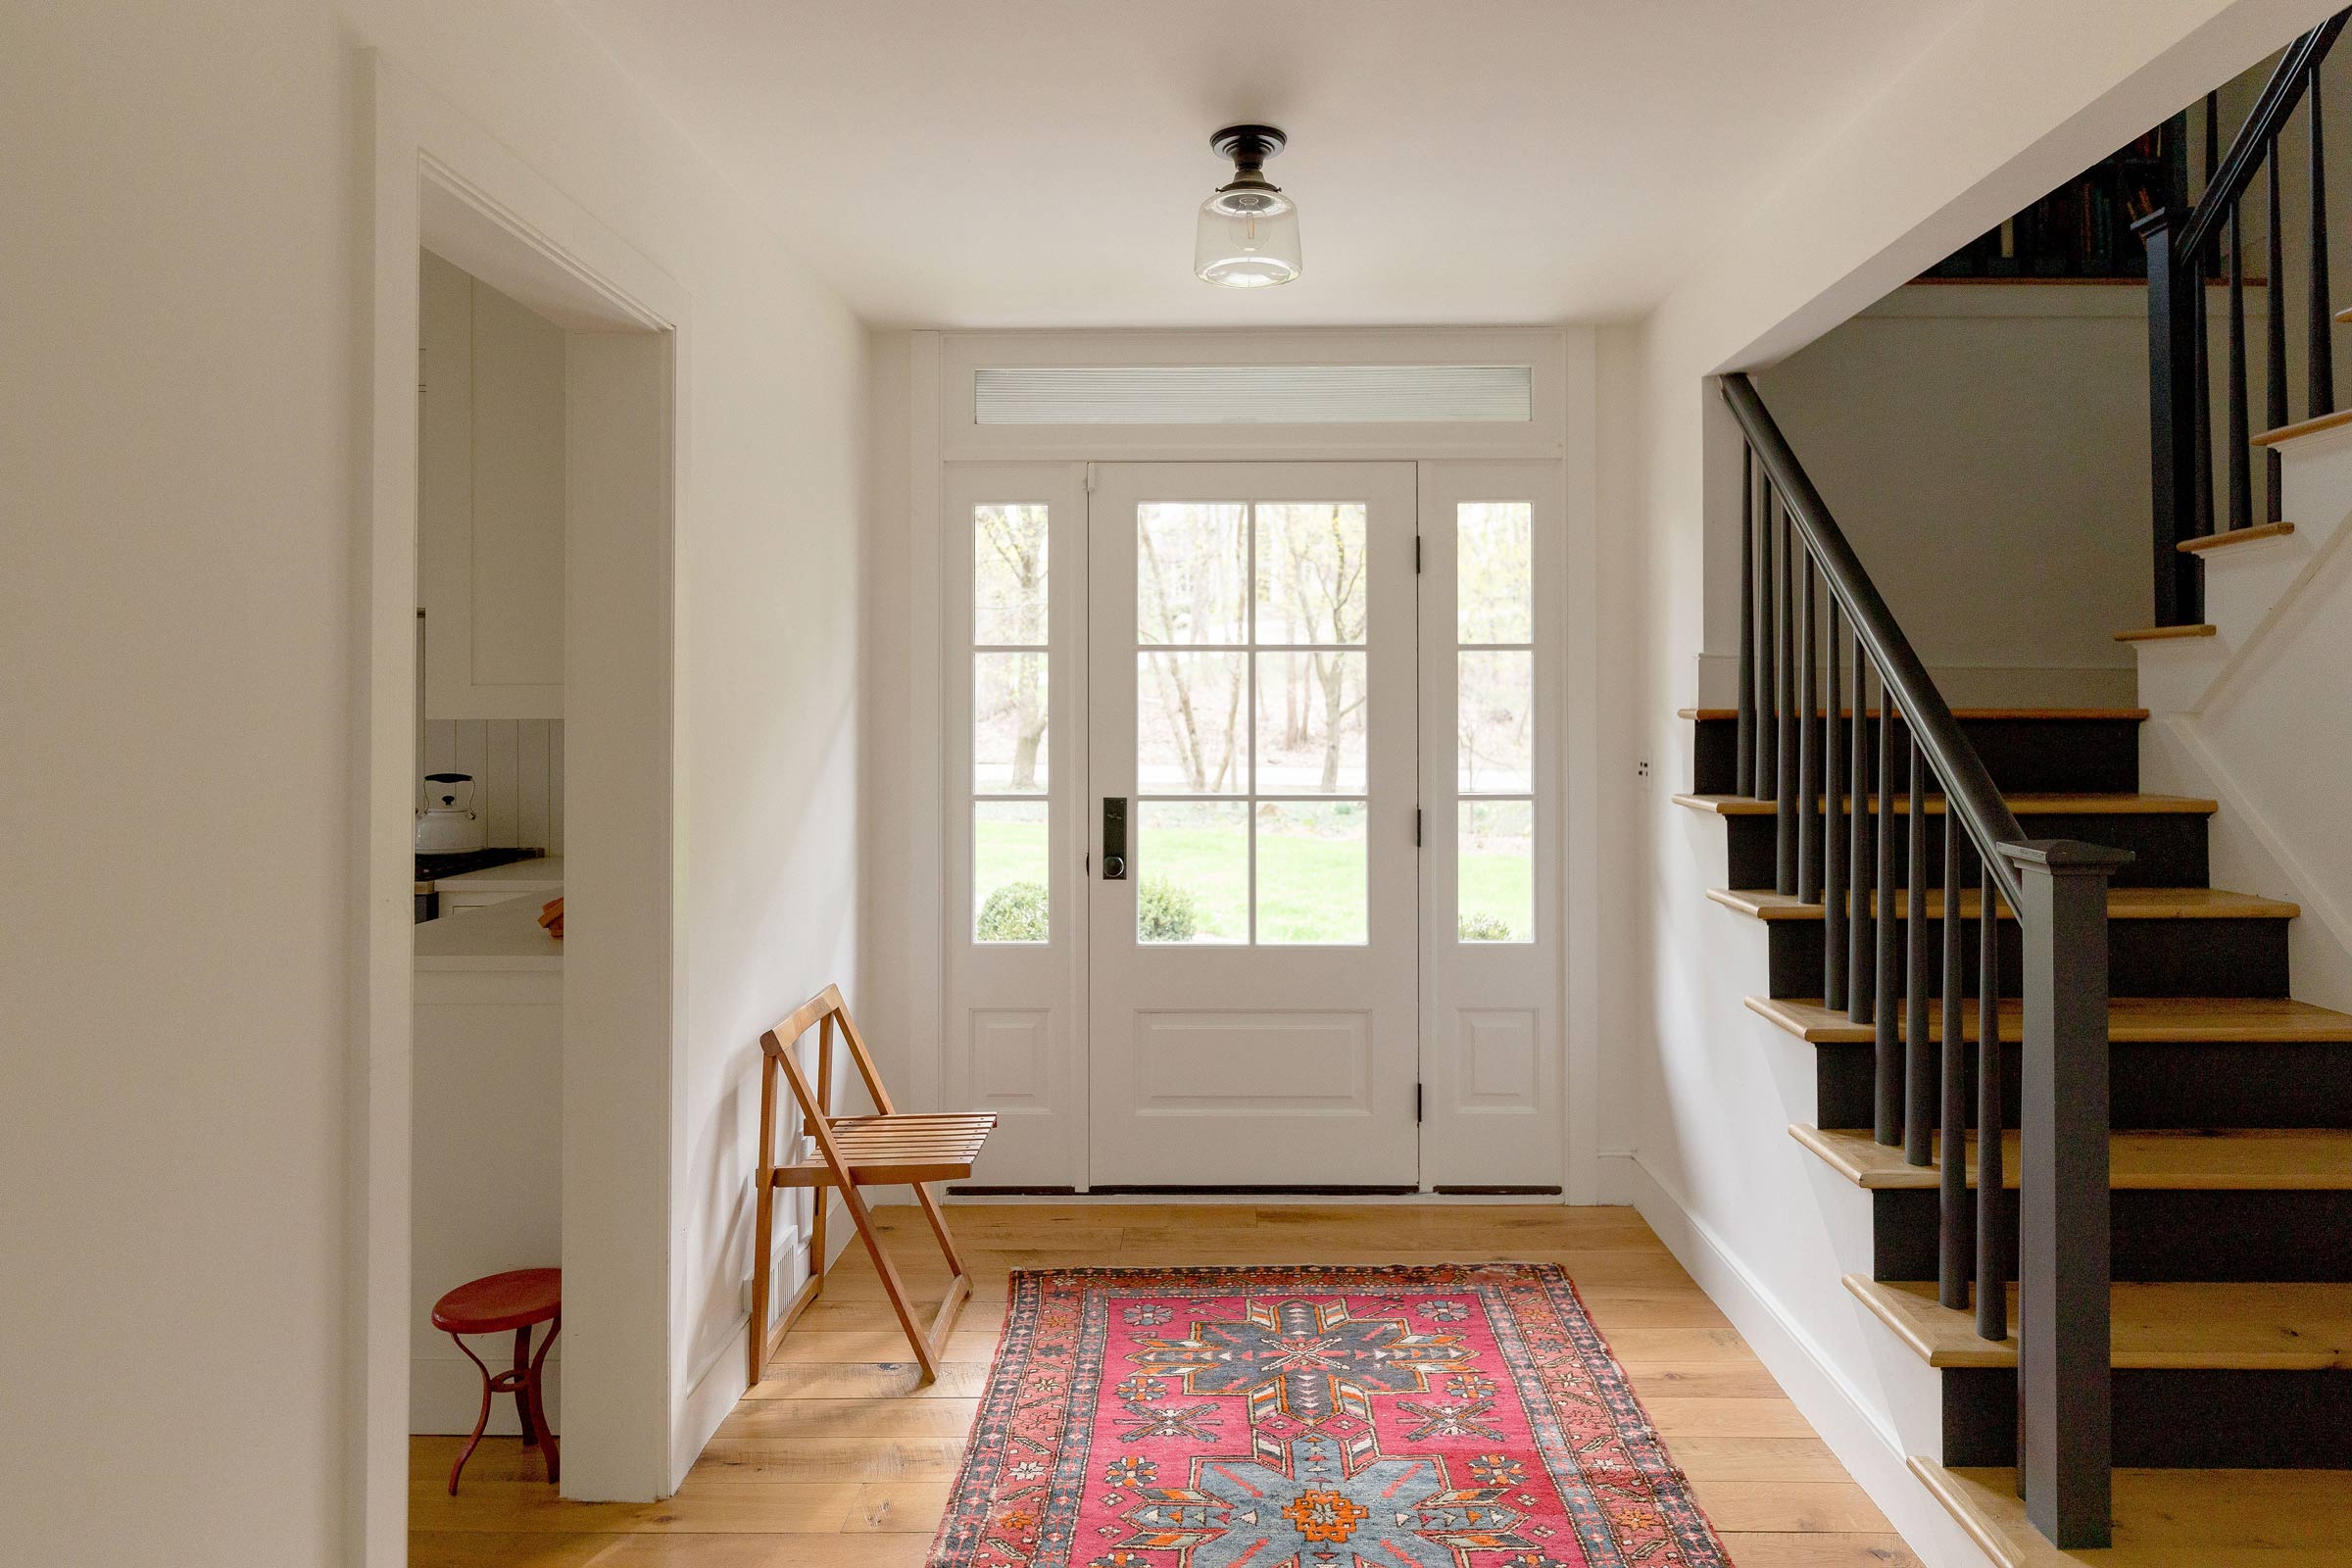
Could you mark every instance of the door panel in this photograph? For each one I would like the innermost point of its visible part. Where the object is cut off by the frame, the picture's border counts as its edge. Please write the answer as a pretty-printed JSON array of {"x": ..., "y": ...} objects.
[{"x": 1251, "y": 704}]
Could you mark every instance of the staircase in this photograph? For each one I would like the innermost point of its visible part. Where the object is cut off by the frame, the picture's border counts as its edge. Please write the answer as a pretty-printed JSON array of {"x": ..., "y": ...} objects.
[{"x": 2223, "y": 1305}]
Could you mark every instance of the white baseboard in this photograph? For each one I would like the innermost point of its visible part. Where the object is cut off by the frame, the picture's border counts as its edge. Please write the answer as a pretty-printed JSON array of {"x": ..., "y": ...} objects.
[{"x": 1861, "y": 1436}]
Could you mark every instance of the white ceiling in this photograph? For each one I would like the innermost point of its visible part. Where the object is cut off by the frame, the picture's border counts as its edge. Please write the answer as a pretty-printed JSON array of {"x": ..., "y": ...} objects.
[{"x": 1037, "y": 163}]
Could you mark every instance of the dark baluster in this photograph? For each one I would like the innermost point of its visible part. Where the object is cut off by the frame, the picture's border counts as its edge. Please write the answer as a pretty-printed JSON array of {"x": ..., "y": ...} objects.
[
  {"x": 2173, "y": 430},
  {"x": 1834, "y": 915},
  {"x": 1993, "y": 1294},
  {"x": 1889, "y": 1128},
  {"x": 1745, "y": 745},
  {"x": 1785, "y": 789},
  {"x": 2274, "y": 370},
  {"x": 1919, "y": 1110},
  {"x": 1808, "y": 744},
  {"x": 2322, "y": 310},
  {"x": 1767, "y": 645},
  {"x": 1861, "y": 990},
  {"x": 2204, "y": 371},
  {"x": 1951, "y": 1270},
  {"x": 2242, "y": 469},
  {"x": 2201, "y": 393}
]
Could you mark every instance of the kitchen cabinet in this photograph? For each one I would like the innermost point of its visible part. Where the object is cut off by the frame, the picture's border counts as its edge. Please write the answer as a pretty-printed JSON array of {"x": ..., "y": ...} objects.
[{"x": 490, "y": 502}]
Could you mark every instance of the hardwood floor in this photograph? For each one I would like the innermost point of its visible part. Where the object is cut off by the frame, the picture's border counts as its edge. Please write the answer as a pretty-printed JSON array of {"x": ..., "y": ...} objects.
[{"x": 836, "y": 1459}]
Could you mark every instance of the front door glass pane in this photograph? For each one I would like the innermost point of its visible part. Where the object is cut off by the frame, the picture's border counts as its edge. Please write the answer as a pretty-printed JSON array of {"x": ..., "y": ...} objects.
[
  {"x": 1311, "y": 723},
  {"x": 1191, "y": 860},
  {"x": 1251, "y": 681},
  {"x": 1191, "y": 573}
]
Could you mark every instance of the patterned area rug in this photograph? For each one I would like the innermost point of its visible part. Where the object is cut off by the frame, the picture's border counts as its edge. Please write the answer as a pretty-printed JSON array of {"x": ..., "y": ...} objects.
[{"x": 1463, "y": 1416}]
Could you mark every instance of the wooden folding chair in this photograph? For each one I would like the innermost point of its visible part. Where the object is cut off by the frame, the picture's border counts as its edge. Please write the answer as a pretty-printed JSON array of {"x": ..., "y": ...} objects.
[{"x": 852, "y": 1151}]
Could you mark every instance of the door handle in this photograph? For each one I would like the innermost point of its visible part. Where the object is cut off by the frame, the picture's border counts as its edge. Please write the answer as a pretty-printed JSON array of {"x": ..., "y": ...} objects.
[{"x": 1114, "y": 838}]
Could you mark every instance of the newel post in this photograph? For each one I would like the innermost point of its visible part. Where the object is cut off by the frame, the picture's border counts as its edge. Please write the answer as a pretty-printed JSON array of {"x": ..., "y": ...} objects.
[
  {"x": 2064, "y": 1392},
  {"x": 2174, "y": 431}
]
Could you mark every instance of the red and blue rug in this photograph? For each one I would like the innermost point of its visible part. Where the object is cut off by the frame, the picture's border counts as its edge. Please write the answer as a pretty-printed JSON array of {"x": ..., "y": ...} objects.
[{"x": 1461, "y": 1416}]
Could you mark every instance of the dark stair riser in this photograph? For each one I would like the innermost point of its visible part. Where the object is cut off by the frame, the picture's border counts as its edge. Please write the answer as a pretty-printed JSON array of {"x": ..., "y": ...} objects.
[
  {"x": 2156, "y": 1235},
  {"x": 2168, "y": 1419},
  {"x": 2044, "y": 756},
  {"x": 2172, "y": 1084},
  {"x": 2168, "y": 847},
  {"x": 2173, "y": 957}
]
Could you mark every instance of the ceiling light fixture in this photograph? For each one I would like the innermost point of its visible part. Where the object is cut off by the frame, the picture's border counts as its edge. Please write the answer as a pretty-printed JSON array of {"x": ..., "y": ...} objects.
[{"x": 1248, "y": 236}]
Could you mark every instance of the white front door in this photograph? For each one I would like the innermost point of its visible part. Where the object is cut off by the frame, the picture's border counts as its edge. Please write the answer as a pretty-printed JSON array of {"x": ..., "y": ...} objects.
[{"x": 1251, "y": 902}]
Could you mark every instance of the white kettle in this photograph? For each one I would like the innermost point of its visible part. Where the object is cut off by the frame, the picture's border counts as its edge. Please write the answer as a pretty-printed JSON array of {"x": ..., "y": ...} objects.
[{"x": 449, "y": 823}]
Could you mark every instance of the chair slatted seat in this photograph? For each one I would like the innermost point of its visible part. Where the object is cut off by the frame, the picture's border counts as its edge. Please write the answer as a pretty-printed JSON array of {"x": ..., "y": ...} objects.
[{"x": 890, "y": 1147}]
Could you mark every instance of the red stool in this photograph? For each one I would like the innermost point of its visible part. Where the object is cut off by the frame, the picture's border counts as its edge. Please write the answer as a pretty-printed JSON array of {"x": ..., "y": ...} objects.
[{"x": 515, "y": 1300}]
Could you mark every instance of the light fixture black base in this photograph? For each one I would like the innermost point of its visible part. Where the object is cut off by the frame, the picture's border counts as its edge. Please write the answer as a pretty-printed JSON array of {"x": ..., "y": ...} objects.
[{"x": 1249, "y": 146}]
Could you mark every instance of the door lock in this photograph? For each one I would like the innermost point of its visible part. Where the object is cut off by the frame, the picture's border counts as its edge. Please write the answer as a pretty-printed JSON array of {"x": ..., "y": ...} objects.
[{"x": 1114, "y": 838}]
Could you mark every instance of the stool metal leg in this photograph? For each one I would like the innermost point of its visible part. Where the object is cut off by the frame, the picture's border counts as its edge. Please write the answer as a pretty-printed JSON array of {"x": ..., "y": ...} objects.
[
  {"x": 474, "y": 1438},
  {"x": 522, "y": 1382},
  {"x": 538, "y": 1385}
]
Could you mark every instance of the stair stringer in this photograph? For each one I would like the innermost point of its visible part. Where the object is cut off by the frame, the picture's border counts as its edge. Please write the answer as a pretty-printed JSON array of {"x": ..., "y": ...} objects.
[
  {"x": 1792, "y": 1230},
  {"x": 2259, "y": 717}
]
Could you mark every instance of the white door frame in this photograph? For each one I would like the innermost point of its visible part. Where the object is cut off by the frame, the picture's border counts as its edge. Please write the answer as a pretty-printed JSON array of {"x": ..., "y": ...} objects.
[
  {"x": 441, "y": 180},
  {"x": 942, "y": 437}
]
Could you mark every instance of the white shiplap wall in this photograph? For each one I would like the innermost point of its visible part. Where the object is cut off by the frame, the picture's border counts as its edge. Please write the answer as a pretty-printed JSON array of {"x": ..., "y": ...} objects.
[{"x": 517, "y": 768}]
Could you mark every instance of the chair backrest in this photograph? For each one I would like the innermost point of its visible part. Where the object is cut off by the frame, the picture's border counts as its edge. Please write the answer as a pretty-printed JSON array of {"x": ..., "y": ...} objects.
[{"x": 825, "y": 1011}]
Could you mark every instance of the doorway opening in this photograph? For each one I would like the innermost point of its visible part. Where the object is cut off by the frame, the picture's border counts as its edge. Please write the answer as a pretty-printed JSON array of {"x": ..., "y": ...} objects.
[{"x": 557, "y": 607}]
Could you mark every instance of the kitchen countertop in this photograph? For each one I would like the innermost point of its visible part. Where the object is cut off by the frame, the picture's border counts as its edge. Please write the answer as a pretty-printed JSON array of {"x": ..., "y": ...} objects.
[
  {"x": 496, "y": 936},
  {"x": 546, "y": 872}
]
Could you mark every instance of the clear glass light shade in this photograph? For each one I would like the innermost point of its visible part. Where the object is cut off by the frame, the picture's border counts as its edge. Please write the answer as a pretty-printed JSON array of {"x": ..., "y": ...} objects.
[{"x": 1247, "y": 238}]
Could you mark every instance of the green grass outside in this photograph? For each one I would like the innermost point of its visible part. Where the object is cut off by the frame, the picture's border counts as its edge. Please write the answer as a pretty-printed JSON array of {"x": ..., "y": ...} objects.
[{"x": 1314, "y": 887}]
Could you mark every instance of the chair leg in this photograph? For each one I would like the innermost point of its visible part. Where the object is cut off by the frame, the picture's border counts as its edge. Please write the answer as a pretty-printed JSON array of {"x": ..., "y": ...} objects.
[
  {"x": 763, "y": 1264},
  {"x": 939, "y": 1226},
  {"x": 816, "y": 1240},
  {"x": 891, "y": 1286}
]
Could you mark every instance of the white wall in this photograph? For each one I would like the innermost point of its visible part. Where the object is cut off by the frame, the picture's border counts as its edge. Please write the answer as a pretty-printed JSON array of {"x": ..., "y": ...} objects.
[
  {"x": 183, "y": 438},
  {"x": 2016, "y": 96},
  {"x": 1956, "y": 431}
]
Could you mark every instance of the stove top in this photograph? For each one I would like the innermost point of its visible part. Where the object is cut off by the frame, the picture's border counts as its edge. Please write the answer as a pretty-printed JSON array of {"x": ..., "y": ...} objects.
[{"x": 459, "y": 862}]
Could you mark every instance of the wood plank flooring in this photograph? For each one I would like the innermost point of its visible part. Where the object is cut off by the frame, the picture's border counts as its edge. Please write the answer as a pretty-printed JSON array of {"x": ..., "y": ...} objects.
[{"x": 836, "y": 1459}]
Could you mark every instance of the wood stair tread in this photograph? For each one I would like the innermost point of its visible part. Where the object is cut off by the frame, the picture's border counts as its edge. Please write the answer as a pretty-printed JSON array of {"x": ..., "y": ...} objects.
[
  {"x": 2310, "y": 427},
  {"x": 2234, "y": 536},
  {"x": 2034, "y": 713},
  {"x": 2134, "y": 1019},
  {"x": 2123, "y": 904},
  {"x": 2167, "y": 1518},
  {"x": 2263, "y": 1326},
  {"x": 2164, "y": 634},
  {"x": 2023, "y": 805},
  {"x": 2236, "y": 1160}
]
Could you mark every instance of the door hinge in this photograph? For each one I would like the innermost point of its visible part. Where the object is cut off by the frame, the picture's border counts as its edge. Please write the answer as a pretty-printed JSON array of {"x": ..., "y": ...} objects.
[
  {"x": 1416, "y": 827},
  {"x": 1416, "y": 1102},
  {"x": 1416, "y": 555},
  {"x": 1090, "y": 479}
]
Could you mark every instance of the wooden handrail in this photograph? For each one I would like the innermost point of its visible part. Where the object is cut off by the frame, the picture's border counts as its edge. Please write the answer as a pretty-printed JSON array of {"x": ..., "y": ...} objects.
[{"x": 1877, "y": 966}]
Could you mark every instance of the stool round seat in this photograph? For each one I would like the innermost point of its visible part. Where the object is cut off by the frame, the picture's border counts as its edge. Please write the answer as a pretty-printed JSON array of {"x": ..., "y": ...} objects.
[{"x": 497, "y": 1303}]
